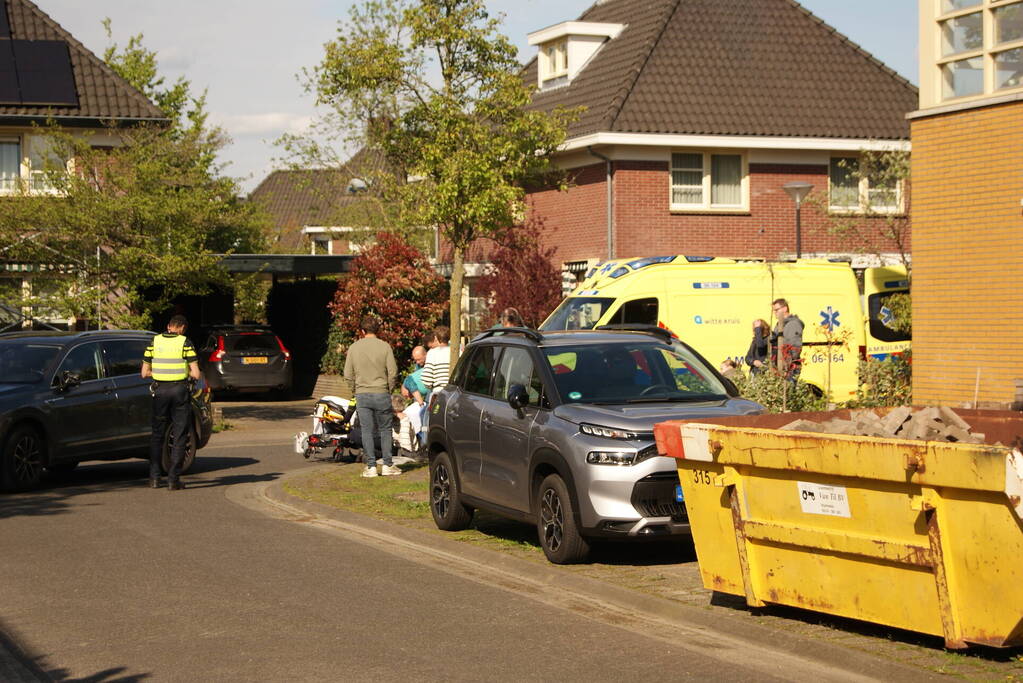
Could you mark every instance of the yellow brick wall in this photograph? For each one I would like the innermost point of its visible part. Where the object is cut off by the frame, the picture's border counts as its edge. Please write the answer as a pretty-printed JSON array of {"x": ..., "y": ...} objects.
[{"x": 968, "y": 256}]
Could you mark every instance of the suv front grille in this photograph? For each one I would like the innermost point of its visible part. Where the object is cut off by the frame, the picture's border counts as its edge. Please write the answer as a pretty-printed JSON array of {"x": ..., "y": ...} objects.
[{"x": 654, "y": 496}]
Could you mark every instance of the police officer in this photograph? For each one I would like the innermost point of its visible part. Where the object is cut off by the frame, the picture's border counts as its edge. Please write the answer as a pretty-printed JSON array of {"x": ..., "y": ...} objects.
[{"x": 170, "y": 361}]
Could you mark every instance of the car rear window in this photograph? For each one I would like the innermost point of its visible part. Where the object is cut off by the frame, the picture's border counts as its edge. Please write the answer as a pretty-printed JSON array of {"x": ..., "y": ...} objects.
[{"x": 251, "y": 342}]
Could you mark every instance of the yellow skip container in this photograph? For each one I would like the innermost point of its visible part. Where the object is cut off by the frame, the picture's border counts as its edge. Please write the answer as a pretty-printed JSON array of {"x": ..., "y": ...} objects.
[{"x": 920, "y": 535}]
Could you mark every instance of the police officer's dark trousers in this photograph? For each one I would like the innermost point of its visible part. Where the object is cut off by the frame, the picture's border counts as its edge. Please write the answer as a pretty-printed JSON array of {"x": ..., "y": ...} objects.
[{"x": 170, "y": 409}]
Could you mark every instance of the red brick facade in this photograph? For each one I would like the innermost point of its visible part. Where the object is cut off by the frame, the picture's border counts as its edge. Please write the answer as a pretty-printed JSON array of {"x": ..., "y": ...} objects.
[{"x": 576, "y": 221}]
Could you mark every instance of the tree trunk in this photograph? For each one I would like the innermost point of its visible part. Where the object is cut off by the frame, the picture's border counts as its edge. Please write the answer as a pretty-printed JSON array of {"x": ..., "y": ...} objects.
[{"x": 455, "y": 302}]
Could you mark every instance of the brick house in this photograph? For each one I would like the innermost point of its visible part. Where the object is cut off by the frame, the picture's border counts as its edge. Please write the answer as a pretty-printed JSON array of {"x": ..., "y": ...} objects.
[
  {"x": 968, "y": 209},
  {"x": 47, "y": 75},
  {"x": 696, "y": 114}
]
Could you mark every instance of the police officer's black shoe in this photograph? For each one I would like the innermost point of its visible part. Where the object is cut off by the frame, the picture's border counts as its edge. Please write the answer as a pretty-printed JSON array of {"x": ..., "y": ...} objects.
[
  {"x": 175, "y": 486},
  {"x": 154, "y": 483}
]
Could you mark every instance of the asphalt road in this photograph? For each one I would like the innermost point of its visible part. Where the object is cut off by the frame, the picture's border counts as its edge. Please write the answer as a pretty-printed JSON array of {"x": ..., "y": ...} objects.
[{"x": 107, "y": 580}]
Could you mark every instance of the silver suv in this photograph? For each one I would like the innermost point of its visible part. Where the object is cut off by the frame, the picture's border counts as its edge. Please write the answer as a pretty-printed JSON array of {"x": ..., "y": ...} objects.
[{"x": 556, "y": 429}]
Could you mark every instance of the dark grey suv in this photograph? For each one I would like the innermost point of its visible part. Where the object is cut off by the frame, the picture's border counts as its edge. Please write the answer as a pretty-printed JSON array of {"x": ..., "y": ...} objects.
[
  {"x": 66, "y": 397},
  {"x": 556, "y": 429}
]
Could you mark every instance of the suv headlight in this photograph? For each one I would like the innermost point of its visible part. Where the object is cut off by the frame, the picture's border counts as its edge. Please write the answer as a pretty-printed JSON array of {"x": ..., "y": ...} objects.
[
  {"x": 608, "y": 432},
  {"x": 620, "y": 458}
]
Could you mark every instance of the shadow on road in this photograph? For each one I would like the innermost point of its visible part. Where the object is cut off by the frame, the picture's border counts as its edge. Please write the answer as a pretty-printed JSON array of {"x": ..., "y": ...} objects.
[
  {"x": 232, "y": 479},
  {"x": 269, "y": 412},
  {"x": 19, "y": 662},
  {"x": 59, "y": 494},
  {"x": 631, "y": 554},
  {"x": 865, "y": 628}
]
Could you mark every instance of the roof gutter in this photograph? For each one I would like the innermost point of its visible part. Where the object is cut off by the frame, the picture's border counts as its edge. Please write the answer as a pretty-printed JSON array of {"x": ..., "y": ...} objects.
[
  {"x": 731, "y": 142},
  {"x": 610, "y": 201}
]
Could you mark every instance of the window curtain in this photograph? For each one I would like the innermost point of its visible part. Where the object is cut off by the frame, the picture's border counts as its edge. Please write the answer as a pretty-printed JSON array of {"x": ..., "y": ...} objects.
[
  {"x": 10, "y": 164},
  {"x": 844, "y": 190},
  {"x": 726, "y": 180},
  {"x": 687, "y": 179}
]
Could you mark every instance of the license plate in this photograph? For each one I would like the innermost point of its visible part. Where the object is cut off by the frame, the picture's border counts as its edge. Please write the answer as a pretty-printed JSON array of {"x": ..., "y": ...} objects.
[
  {"x": 679, "y": 498},
  {"x": 254, "y": 360}
]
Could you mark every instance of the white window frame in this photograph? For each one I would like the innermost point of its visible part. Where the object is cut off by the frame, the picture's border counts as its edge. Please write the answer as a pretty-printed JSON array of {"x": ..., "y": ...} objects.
[
  {"x": 554, "y": 66},
  {"x": 863, "y": 205},
  {"x": 706, "y": 206},
  {"x": 987, "y": 53},
  {"x": 21, "y": 164}
]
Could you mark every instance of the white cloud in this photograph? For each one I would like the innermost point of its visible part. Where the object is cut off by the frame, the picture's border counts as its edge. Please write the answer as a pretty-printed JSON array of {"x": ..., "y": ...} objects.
[{"x": 268, "y": 123}]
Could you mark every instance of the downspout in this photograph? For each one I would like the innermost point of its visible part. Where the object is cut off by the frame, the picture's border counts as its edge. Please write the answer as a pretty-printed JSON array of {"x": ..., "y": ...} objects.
[{"x": 610, "y": 202}]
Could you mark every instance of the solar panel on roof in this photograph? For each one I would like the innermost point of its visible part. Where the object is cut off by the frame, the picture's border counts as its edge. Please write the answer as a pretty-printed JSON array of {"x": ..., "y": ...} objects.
[
  {"x": 9, "y": 91},
  {"x": 5, "y": 25},
  {"x": 44, "y": 72}
]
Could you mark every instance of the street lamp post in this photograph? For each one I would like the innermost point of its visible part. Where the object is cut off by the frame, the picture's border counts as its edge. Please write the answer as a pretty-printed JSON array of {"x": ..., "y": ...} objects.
[{"x": 798, "y": 190}]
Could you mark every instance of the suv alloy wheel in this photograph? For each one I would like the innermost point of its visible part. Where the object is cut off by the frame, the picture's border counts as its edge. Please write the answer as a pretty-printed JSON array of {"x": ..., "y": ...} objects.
[
  {"x": 190, "y": 447},
  {"x": 555, "y": 521},
  {"x": 445, "y": 499},
  {"x": 22, "y": 465}
]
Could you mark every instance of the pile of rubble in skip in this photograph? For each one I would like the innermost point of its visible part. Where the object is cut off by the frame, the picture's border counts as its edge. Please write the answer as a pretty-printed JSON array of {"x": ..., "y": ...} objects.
[{"x": 924, "y": 424}]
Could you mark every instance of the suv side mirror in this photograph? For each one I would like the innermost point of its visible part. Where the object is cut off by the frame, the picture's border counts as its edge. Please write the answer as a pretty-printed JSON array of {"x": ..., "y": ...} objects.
[
  {"x": 730, "y": 387},
  {"x": 518, "y": 397},
  {"x": 68, "y": 380}
]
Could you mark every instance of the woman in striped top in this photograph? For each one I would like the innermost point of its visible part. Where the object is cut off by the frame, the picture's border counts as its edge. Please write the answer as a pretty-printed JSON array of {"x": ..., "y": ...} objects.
[{"x": 438, "y": 360}]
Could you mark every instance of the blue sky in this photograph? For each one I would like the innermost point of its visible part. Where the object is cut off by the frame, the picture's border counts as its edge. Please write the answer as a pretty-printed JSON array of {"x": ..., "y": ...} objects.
[{"x": 248, "y": 52}]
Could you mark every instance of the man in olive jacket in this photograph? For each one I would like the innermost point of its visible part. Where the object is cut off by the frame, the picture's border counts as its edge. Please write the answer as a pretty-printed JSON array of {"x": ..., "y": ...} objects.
[{"x": 372, "y": 374}]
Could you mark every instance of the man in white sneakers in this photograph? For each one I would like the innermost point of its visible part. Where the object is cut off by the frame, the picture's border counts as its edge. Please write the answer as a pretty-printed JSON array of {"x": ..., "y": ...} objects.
[{"x": 372, "y": 374}]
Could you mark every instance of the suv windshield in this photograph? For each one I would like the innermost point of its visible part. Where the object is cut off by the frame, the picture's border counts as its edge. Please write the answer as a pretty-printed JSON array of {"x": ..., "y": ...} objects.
[
  {"x": 24, "y": 362},
  {"x": 633, "y": 372},
  {"x": 577, "y": 313}
]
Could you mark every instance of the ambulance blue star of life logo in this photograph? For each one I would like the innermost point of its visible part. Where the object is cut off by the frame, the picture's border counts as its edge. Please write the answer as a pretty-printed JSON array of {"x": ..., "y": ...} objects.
[
  {"x": 886, "y": 316},
  {"x": 829, "y": 319},
  {"x": 698, "y": 319}
]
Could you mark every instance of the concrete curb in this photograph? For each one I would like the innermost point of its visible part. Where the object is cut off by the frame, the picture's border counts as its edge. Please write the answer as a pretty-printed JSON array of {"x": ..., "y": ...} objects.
[{"x": 689, "y": 620}]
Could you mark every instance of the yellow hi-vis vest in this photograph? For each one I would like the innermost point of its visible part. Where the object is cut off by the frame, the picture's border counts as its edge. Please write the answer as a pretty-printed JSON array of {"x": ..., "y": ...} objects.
[{"x": 169, "y": 364}]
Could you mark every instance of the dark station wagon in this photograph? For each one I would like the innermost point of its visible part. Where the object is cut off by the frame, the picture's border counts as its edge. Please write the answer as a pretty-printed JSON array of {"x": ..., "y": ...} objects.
[{"x": 245, "y": 358}]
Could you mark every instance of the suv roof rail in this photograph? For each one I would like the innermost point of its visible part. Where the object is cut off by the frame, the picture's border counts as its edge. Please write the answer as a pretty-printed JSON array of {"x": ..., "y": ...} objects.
[
  {"x": 527, "y": 331},
  {"x": 666, "y": 334}
]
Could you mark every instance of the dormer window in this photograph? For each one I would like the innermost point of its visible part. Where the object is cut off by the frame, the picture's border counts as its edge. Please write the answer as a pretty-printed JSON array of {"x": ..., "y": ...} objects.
[
  {"x": 554, "y": 60},
  {"x": 566, "y": 48}
]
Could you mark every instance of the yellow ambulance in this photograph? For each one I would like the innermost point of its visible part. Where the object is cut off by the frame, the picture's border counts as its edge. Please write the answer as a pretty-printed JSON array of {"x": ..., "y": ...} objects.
[
  {"x": 711, "y": 303},
  {"x": 883, "y": 337}
]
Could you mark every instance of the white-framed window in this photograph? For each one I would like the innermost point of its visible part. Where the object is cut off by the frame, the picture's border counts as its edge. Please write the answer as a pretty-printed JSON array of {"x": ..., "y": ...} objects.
[
  {"x": 10, "y": 164},
  {"x": 981, "y": 47},
  {"x": 321, "y": 244},
  {"x": 43, "y": 159},
  {"x": 554, "y": 59},
  {"x": 709, "y": 181},
  {"x": 851, "y": 189}
]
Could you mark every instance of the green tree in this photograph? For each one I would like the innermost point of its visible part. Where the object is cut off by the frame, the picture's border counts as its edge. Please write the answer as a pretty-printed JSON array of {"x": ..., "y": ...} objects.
[
  {"x": 883, "y": 179},
  {"x": 127, "y": 228},
  {"x": 436, "y": 89},
  {"x": 880, "y": 181}
]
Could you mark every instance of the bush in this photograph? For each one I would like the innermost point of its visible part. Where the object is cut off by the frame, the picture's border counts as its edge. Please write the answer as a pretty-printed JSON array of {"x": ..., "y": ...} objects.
[
  {"x": 886, "y": 382},
  {"x": 394, "y": 281},
  {"x": 777, "y": 394},
  {"x": 523, "y": 276}
]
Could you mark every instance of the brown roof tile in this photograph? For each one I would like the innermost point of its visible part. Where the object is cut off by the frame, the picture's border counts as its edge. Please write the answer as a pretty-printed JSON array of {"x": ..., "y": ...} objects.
[
  {"x": 299, "y": 198},
  {"x": 102, "y": 94},
  {"x": 314, "y": 197},
  {"x": 731, "y": 67}
]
